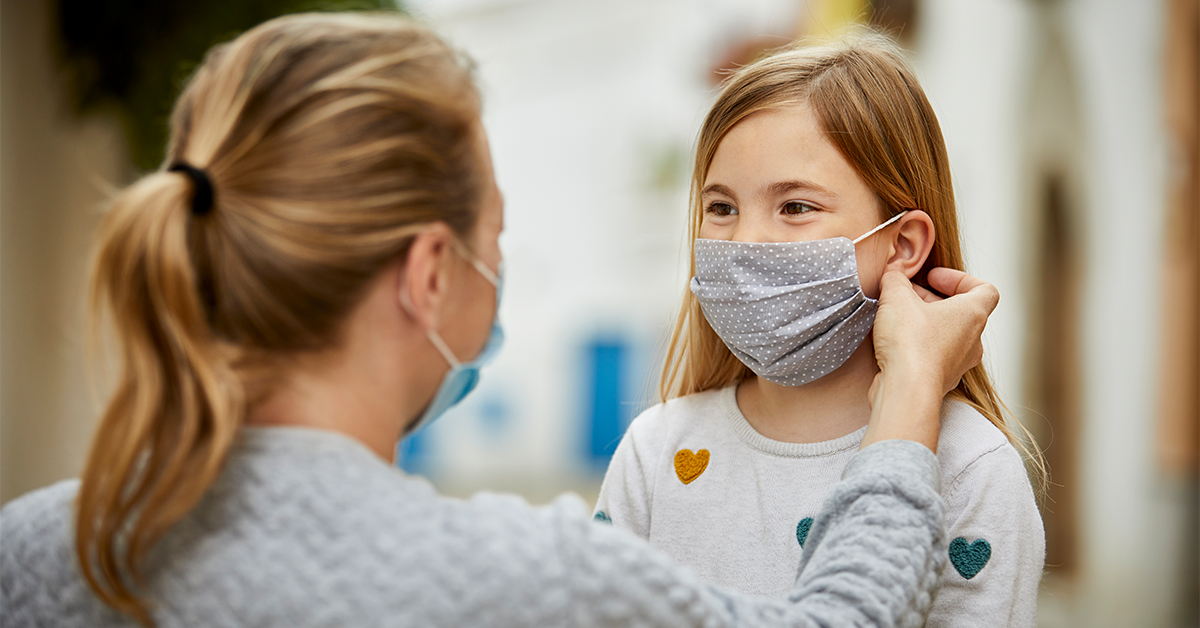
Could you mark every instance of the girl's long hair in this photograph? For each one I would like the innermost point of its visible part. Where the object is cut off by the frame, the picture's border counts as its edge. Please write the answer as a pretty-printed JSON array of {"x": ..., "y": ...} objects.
[
  {"x": 329, "y": 140},
  {"x": 868, "y": 102}
]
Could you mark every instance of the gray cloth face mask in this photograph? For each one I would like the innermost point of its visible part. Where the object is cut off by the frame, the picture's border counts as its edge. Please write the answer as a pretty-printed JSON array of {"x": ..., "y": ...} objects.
[{"x": 791, "y": 311}]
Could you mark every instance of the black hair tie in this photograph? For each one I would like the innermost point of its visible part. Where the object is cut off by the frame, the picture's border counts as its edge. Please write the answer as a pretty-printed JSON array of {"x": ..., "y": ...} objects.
[{"x": 202, "y": 195}]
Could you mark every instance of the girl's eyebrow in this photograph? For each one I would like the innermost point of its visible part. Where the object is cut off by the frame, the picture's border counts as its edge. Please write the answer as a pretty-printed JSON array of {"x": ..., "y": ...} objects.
[
  {"x": 717, "y": 188},
  {"x": 784, "y": 187}
]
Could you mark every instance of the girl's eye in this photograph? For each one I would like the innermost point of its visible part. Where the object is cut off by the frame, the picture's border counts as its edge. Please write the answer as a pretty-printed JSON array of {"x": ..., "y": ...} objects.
[
  {"x": 795, "y": 208},
  {"x": 721, "y": 209}
]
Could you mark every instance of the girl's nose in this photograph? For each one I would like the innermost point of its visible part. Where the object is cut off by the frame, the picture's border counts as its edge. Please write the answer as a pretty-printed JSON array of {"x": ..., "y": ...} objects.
[{"x": 756, "y": 226}]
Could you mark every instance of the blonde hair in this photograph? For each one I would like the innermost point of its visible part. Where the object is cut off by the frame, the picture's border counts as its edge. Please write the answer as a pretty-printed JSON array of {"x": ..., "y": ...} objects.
[
  {"x": 872, "y": 109},
  {"x": 330, "y": 141}
]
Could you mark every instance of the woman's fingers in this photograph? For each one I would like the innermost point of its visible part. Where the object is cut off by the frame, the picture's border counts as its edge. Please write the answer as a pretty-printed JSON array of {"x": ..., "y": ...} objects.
[
  {"x": 916, "y": 326},
  {"x": 947, "y": 280},
  {"x": 952, "y": 282},
  {"x": 892, "y": 282},
  {"x": 926, "y": 295}
]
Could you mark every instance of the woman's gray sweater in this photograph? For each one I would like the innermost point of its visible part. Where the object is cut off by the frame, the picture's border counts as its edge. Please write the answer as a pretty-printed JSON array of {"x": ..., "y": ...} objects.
[{"x": 309, "y": 528}]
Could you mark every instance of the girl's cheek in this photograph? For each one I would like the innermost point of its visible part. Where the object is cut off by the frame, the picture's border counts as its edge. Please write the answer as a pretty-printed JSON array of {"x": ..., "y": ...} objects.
[
  {"x": 871, "y": 266},
  {"x": 713, "y": 230}
]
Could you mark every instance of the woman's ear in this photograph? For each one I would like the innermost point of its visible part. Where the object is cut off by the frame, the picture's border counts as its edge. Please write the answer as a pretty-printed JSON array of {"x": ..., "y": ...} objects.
[
  {"x": 911, "y": 243},
  {"x": 423, "y": 281}
]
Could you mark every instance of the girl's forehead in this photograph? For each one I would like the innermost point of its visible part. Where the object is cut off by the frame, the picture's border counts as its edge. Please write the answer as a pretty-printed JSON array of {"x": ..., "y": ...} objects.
[{"x": 769, "y": 150}]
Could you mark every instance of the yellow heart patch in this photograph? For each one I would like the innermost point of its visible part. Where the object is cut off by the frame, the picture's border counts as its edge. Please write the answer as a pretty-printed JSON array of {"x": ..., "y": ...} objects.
[{"x": 689, "y": 466}]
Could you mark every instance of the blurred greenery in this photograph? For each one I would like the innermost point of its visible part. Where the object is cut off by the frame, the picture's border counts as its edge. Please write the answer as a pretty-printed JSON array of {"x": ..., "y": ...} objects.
[{"x": 135, "y": 55}]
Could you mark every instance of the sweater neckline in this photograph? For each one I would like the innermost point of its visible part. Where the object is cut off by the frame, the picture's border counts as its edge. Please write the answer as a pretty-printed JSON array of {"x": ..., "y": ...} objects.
[
  {"x": 291, "y": 438},
  {"x": 727, "y": 401}
]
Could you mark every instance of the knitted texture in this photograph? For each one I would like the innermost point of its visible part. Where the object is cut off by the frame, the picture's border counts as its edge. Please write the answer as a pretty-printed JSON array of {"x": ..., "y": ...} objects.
[
  {"x": 309, "y": 528},
  {"x": 740, "y": 524}
]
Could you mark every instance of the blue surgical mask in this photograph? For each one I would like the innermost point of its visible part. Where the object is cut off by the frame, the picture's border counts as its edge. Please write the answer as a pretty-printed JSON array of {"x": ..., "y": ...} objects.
[{"x": 462, "y": 377}]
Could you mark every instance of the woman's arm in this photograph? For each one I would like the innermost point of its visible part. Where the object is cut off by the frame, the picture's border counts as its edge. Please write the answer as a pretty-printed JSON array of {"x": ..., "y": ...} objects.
[{"x": 924, "y": 344}]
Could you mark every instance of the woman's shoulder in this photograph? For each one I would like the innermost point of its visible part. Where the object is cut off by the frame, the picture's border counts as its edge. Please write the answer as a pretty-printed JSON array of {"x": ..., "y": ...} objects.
[
  {"x": 38, "y": 578},
  {"x": 42, "y": 500},
  {"x": 33, "y": 518}
]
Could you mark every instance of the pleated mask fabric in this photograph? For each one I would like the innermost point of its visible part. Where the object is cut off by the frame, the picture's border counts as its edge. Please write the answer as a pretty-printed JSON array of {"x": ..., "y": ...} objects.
[{"x": 792, "y": 312}]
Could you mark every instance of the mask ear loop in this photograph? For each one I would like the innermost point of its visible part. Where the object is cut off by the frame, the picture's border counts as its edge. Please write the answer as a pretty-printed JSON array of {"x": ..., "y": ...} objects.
[
  {"x": 466, "y": 254},
  {"x": 442, "y": 348},
  {"x": 432, "y": 335},
  {"x": 487, "y": 273},
  {"x": 871, "y": 232}
]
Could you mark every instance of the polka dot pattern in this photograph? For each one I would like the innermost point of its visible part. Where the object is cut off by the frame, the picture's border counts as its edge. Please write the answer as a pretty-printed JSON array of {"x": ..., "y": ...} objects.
[{"x": 791, "y": 311}]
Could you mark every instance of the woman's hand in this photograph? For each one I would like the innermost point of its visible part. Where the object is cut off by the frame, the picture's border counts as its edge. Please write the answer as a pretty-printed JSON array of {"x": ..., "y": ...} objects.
[
  {"x": 941, "y": 338},
  {"x": 924, "y": 344}
]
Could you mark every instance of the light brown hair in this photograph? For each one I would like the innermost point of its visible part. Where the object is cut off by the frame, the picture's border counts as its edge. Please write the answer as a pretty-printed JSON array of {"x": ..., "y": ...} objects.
[
  {"x": 870, "y": 106},
  {"x": 330, "y": 141}
]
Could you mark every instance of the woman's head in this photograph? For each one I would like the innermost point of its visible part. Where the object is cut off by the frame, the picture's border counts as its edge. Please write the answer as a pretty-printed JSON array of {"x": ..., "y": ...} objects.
[
  {"x": 820, "y": 142},
  {"x": 330, "y": 142}
]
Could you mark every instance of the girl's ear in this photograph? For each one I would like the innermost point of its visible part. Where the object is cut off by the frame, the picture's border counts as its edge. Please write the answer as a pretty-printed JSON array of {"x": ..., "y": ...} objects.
[
  {"x": 911, "y": 243},
  {"x": 423, "y": 281}
]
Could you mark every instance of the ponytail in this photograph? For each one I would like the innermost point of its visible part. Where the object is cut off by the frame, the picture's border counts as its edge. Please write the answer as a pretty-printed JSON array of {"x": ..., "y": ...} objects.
[{"x": 177, "y": 405}]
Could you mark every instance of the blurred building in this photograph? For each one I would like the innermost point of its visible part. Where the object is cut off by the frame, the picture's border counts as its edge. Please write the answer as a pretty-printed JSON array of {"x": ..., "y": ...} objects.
[{"x": 1072, "y": 131}]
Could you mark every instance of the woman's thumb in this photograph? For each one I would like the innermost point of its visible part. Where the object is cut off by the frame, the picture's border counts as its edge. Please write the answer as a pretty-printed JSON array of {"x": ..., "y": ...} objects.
[{"x": 893, "y": 284}]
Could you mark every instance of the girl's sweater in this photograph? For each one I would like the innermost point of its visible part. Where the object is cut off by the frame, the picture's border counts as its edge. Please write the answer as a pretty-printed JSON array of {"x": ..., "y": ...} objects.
[
  {"x": 309, "y": 528},
  {"x": 695, "y": 479}
]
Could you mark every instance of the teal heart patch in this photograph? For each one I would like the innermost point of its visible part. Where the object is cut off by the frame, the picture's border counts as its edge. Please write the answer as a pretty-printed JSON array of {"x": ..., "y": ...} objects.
[
  {"x": 802, "y": 529},
  {"x": 969, "y": 559},
  {"x": 603, "y": 517}
]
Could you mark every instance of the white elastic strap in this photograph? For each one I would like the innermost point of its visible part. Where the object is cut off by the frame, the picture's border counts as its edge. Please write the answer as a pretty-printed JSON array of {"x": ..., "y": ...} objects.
[
  {"x": 479, "y": 265},
  {"x": 433, "y": 336},
  {"x": 889, "y": 221},
  {"x": 442, "y": 348},
  {"x": 485, "y": 271}
]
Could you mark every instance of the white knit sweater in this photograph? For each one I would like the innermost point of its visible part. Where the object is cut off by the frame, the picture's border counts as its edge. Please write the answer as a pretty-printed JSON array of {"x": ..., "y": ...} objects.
[{"x": 694, "y": 478}]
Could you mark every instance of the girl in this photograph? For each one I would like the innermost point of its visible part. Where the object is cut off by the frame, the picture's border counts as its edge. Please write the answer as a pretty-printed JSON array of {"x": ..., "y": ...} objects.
[
  {"x": 311, "y": 275},
  {"x": 817, "y": 171}
]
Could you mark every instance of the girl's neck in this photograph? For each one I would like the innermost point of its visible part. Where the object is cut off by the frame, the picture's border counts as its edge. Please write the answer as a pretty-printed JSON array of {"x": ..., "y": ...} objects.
[{"x": 828, "y": 408}]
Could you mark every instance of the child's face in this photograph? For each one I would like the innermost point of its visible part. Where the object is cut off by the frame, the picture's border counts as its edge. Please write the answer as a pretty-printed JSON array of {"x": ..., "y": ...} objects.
[{"x": 776, "y": 178}]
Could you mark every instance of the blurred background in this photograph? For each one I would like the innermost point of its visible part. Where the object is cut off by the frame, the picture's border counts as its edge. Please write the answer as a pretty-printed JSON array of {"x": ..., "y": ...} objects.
[{"x": 1072, "y": 128}]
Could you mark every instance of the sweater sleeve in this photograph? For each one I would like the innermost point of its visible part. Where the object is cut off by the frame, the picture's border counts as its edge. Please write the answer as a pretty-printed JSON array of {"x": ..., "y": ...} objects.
[
  {"x": 878, "y": 546},
  {"x": 997, "y": 546}
]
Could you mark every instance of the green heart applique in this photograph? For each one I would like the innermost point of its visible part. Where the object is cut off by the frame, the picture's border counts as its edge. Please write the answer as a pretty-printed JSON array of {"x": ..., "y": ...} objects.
[
  {"x": 603, "y": 517},
  {"x": 802, "y": 529},
  {"x": 969, "y": 560}
]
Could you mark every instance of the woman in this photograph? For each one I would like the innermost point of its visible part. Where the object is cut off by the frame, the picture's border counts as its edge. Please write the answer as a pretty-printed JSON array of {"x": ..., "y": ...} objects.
[{"x": 298, "y": 288}]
